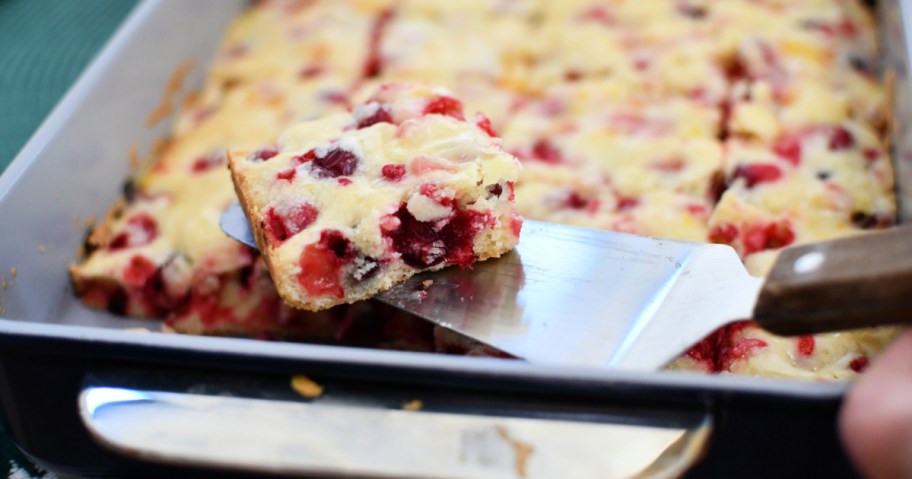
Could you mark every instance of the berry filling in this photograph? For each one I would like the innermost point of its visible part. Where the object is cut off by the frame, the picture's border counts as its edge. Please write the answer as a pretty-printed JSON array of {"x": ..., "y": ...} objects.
[
  {"x": 287, "y": 175},
  {"x": 445, "y": 105},
  {"x": 806, "y": 345},
  {"x": 625, "y": 203},
  {"x": 138, "y": 270},
  {"x": 576, "y": 201},
  {"x": 484, "y": 123},
  {"x": 321, "y": 264},
  {"x": 208, "y": 162},
  {"x": 425, "y": 244},
  {"x": 379, "y": 116},
  {"x": 333, "y": 164},
  {"x": 544, "y": 150},
  {"x": 841, "y": 139},
  {"x": 718, "y": 351},
  {"x": 284, "y": 222},
  {"x": 859, "y": 364},
  {"x": 759, "y": 237},
  {"x": 140, "y": 230},
  {"x": 757, "y": 173},
  {"x": 724, "y": 233},
  {"x": 393, "y": 172},
  {"x": 789, "y": 149},
  {"x": 263, "y": 154}
]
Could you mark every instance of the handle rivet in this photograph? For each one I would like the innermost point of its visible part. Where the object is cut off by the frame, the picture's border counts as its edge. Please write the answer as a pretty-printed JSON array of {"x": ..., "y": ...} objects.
[{"x": 809, "y": 262}]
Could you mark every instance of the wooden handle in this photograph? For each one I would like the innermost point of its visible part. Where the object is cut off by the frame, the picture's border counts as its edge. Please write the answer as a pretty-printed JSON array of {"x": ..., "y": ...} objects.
[{"x": 842, "y": 284}]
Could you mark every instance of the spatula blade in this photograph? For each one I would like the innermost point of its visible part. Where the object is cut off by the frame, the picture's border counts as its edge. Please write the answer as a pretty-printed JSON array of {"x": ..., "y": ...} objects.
[{"x": 582, "y": 297}]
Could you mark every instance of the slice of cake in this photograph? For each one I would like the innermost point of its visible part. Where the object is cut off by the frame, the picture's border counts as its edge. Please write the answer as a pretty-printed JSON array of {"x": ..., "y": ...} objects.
[{"x": 349, "y": 205}]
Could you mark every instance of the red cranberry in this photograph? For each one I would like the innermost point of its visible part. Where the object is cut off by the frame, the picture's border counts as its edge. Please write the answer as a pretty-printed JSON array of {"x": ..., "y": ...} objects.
[
  {"x": 789, "y": 149},
  {"x": 625, "y": 203},
  {"x": 301, "y": 159},
  {"x": 740, "y": 349},
  {"x": 335, "y": 163},
  {"x": 759, "y": 237},
  {"x": 758, "y": 173},
  {"x": 545, "y": 151},
  {"x": 138, "y": 270},
  {"x": 291, "y": 220},
  {"x": 723, "y": 233},
  {"x": 344, "y": 181},
  {"x": 723, "y": 346},
  {"x": 484, "y": 123},
  {"x": 806, "y": 345},
  {"x": 393, "y": 172},
  {"x": 158, "y": 298},
  {"x": 379, "y": 116},
  {"x": 516, "y": 223},
  {"x": 871, "y": 154},
  {"x": 336, "y": 242},
  {"x": 697, "y": 209},
  {"x": 141, "y": 229},
  {"x": 208, "y": 162},
  {"x": 574, "y": 201},
  {"x": 445, "y": 105},
  {"x": 425, "y": 244},
  {"x": 841, "y": 139},
  {"x": 321, "y": 264},
  {"x": 263, "y": 154},
  {"x": 287, "y": 175},
  {"x": 859, "y": 364}
]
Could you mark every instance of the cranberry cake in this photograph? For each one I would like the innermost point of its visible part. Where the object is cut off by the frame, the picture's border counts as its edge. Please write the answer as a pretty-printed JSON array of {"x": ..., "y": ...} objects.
[
  {"x": 759, "y": 124},
  {"x": 351, "y": 204}
]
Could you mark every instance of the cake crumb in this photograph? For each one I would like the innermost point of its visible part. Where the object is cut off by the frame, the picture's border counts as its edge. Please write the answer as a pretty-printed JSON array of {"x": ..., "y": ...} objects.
[
  {"x": 427, "y": 283},
  {"x": 134, "y": 156},
  {"x": 41, "y": 248},
  {"x": 413, "y": 405},
  {"x": 13, "y": 272},
  {"x": 3, "y": 283},
  {"x": 175, "y": 82},
  {"x": 306, "y": 387},
  {"x": 523, "y": 450}
]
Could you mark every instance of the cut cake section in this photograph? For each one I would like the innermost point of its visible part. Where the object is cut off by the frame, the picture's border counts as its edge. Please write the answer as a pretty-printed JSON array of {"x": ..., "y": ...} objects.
[{"x": 349, "y": 205}]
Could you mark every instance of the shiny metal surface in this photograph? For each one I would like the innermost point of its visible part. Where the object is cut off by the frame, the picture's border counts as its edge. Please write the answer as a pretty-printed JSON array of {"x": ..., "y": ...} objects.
[
  {"x": 581, "y": 297},
  {"x": 326, "y": 437}
]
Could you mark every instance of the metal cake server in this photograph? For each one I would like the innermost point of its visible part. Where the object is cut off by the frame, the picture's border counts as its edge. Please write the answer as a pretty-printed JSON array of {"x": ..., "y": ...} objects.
[{"x": 584, "y": 297}]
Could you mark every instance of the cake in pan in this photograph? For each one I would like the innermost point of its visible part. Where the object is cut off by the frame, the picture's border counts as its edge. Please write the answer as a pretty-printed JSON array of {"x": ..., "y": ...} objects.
[{"x": 755, "y": 124}]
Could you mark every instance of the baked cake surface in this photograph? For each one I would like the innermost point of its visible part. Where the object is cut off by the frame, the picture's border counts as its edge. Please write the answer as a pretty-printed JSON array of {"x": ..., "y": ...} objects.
[
  {"x": 351, "y": 204},
  {"x": 755, "y": 124}
]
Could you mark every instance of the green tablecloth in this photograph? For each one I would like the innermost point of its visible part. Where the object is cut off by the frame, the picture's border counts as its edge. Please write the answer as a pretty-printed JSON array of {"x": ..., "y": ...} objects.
[{"x": 44, "y": 45}]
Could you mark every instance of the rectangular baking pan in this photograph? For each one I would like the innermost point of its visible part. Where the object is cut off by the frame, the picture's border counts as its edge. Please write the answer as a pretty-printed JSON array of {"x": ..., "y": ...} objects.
[{"x": 57, "y": 357}]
